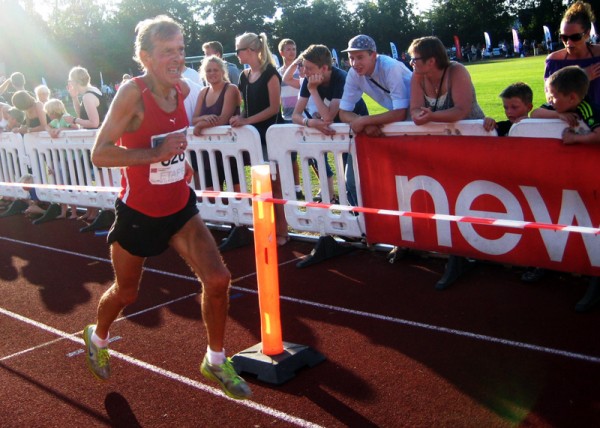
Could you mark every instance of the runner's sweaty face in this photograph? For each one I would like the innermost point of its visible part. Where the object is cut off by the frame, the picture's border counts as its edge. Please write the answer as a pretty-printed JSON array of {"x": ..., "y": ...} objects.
[{"x": 166, "y": 59}]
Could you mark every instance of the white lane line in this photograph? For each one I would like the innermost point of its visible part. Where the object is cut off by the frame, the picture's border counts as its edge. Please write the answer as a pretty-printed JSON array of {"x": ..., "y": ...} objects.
[
  {"x": 165, "y": 373},
  {"x": 400, "y": 321}
]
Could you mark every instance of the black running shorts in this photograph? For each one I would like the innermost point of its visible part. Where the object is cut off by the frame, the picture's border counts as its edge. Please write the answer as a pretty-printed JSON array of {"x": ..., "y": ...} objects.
[{"x": 146, "y": 236}]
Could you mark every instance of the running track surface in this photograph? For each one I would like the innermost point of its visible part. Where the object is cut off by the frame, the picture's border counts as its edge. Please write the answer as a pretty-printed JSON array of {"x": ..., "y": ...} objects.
[{"x": 488, "y": 352}]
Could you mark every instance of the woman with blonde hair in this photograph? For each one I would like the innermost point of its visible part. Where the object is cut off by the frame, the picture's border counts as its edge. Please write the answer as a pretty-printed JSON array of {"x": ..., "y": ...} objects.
[
  {"x": 92, "y": 108},
  {"x": 89, "y": 114},
  {"x": 217, "y": 102},
  {"x": 42, "y": 93},
  {"x": 260, "y": 85}
]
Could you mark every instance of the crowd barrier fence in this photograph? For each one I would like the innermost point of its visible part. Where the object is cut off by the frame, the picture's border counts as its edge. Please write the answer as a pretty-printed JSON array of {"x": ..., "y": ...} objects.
[
  {"x": 66, "y": 161},
  {"x": 232, "y": 148},
  {"x": 14, "y": 164},
  {"x": 314, "y": 147}
]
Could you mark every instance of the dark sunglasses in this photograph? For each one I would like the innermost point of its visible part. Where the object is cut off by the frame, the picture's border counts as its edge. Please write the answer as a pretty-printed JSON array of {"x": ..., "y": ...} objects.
[
  {"x": 237, "y": 51},
  {"x": 573, "y": 37}
]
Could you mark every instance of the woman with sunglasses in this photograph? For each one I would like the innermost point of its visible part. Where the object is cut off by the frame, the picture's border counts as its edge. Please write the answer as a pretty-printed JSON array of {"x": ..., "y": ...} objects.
[
  {"x": 575, "y": 30},
  {"x": 441, "y": 91},
  {"x": 260, "y": 86}
]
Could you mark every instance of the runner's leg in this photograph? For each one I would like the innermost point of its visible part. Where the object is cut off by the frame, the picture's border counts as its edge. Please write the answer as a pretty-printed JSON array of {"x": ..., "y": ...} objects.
[
  {"x": 124, "y": 291},
  {"x": 197, "y": 247}
]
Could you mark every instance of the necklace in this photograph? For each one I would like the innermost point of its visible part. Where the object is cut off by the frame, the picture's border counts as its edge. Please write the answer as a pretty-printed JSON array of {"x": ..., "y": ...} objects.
[{"x": 438, "y": 90}]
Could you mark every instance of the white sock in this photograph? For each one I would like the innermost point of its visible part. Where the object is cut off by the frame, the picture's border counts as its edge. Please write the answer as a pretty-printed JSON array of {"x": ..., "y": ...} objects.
[
  {"x": 101, "y": 343},
  {"x": 217, "y": 358},
  {"x": 298, "y": 188}
]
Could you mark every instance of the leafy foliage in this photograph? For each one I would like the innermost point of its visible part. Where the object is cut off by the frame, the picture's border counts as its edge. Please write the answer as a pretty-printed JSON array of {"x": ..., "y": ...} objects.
[{"x": 99, "y": 35}]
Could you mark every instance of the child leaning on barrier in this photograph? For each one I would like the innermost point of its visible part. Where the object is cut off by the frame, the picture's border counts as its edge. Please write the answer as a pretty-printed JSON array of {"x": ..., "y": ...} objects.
[
  {"x": 517, "y": 99},
  {"x": 11, "y": 119},
  {"x": 56, "y": 111},
  {"x": 566, "y": 91}
]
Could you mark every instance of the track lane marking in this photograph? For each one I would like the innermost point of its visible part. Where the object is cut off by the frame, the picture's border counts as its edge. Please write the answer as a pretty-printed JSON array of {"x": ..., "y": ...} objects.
[
  {"x": 162, "y": 372},
  {"x": 400, "y": 321}
]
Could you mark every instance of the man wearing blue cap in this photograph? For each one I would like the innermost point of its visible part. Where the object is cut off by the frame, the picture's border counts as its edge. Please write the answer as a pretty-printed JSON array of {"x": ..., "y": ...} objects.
[
  {"x": 385, "y": 80},
  {"x": 381, "y": 77}
]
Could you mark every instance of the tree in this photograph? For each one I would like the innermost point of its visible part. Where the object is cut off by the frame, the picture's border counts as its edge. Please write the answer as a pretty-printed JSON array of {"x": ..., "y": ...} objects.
[
  {"x": 331, "y": 22},
  {"x": 76, "y": 36},
  {"x": 534, "y": 14},
  {"x": 230, "y": 18},
  {"x": 26, "y": 42},
  {"x": 120, "y": 30},
  {"x": 469, "y": 19},
  {"x": 386, "y": 21}
]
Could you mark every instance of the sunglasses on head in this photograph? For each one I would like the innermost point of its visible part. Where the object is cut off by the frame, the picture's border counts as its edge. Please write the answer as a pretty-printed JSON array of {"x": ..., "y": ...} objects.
[{"x": 573, "y": 37}]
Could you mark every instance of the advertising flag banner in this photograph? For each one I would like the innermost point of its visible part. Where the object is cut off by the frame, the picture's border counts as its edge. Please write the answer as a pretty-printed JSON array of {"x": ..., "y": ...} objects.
[
  {"x": 548, "y": 37},
  {"x": 458, "y": 49},
  {"x": 508, "y": 199},
  {"x": 488, "y": 41},
  {"x": 334, "y": 55},
  {"x": 516, "y": 43},
  {"x": 394, "y": 50}
]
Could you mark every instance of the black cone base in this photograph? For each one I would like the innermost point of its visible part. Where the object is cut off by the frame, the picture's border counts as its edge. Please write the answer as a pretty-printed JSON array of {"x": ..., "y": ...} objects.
[{"x": 276, "y": 369}]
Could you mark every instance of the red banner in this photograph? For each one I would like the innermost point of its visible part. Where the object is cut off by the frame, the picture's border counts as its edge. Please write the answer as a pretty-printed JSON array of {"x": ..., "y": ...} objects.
[
  {"x": 458, "y": 48},
  {"x": 522, "y": 179}
]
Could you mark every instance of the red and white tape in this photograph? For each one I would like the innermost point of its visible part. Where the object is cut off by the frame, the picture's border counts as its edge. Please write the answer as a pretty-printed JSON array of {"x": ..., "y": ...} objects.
[{"x": 514, "y": 224}]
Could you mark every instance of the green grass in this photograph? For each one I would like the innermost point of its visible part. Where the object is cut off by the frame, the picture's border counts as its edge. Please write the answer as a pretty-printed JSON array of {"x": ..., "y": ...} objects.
[{"x": 490, "y": 77}]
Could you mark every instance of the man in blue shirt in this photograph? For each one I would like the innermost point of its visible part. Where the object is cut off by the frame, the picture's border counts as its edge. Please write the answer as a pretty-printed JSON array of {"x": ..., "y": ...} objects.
[{"x": 383, "y": 78}]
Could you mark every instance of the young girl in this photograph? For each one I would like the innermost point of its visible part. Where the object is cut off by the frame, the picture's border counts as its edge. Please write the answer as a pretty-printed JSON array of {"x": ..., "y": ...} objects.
[
  {"x": 56, "y": 111},
  {"x": 93, "y": 106},
  {"x": 35, "y": 118},
  {"x": 260, "y": 86}
]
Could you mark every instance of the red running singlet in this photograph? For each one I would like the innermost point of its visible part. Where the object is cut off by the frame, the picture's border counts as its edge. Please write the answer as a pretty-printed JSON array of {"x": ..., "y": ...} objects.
[{"x": 140, "y": 188}]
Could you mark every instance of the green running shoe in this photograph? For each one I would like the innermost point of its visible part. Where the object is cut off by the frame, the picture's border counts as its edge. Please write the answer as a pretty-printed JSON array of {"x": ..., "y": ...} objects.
[
  {"x": 232, "y": 384},
  {"x": 97, "y": 357}
]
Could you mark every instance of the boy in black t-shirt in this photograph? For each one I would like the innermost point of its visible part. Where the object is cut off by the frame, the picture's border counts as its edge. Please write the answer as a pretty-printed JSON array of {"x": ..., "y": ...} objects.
[
  {"x": 566, "y": 90},
  {"x": 517, "y": 99}
]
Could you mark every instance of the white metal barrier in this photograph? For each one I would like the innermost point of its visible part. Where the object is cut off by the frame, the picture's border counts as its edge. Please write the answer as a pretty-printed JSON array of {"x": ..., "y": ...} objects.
[
  {"x": 14, "y": 163},
  {"x": 538, "y": 128},
  {"x": 311, "y": 145},
  {"x": 230, "y": 148},
  {"x": 65, "y": 160}
]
